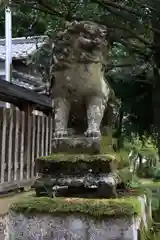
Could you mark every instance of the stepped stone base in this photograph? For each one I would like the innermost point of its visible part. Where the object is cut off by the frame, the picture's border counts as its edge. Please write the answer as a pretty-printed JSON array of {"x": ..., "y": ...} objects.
[
  {"x": 79, "y": 175},
  {"x": 75, "y": 164},
  {"x": 89, "y": 186},
  {"x": 116, "y": 224}
]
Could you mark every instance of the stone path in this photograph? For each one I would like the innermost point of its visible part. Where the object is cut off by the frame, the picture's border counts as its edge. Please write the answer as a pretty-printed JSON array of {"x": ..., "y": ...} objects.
[{"x": 5, "y": 202}]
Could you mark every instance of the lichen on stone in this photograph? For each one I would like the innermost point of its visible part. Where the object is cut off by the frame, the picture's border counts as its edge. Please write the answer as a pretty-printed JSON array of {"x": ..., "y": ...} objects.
[
  {"x": 76, "y": 163},
  {"x": 65, "y": 157},
  {"x": 129, "y": 206},
  {"x": 106, "y": 154},
  {"x": 106, "y": 143}
]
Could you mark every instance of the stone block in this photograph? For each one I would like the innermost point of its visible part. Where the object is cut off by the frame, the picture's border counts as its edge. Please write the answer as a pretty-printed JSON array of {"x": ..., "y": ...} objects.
[
  {"x": 87, "y": 185},
  {"x": 70, "y": 227},
  {"x": 60, "y": 164},
  {"x": 76, "y": 144},
  {"x": 77, "y": 219},
  {"x": 102, "y": 187}
]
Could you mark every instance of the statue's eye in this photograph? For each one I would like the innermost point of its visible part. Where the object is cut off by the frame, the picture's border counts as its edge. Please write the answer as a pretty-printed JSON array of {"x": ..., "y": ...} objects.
[{"x": 88, "y": 27}]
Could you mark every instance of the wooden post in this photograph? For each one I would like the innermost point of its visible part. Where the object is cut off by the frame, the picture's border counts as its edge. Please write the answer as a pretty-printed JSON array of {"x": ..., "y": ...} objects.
[
  {"x": 47, "y": 136},
  {"x": 16, "y": 163},
  {"x": 38, "y": 136},
  {"x": 42, "y": 136},
  {"x": 28, "y": 153},
  {"x": 33, "y": 144},
  {"x": 10, "y": 163},
  {"x": 50, "y": 133},
  {"x": 22, "y": 146},
  {"x": 3, "y": 149}
]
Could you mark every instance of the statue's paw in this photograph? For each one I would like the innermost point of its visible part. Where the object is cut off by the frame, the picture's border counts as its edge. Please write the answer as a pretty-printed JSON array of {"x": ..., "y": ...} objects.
[
  {"x": 91, "y": 133},
  {"x": 59, "y": 134}
]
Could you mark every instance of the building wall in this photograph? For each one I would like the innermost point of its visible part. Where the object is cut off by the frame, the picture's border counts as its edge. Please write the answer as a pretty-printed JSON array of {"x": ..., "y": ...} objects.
[{"x": 20, "y": 67}]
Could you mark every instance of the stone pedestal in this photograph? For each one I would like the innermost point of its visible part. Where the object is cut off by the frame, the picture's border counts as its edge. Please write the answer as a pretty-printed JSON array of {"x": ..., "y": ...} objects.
[
  {"x": 71, "y": 227},
  {"x": 102, "y": 220},
  {"x": 76, "y": 144},
  {"x": 79, "y": 175}
]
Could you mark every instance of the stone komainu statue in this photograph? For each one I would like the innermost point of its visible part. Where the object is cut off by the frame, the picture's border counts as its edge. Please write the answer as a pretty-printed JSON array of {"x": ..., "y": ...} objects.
[{"x": 79, "y": 90}]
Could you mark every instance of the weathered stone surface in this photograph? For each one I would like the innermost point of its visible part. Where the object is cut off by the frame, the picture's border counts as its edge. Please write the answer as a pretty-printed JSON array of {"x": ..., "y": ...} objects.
[
  {"x": 82, "y": 172},
  {"x": 86, "y": 180},
  {"x": 71, "y": 227},
  {"x": 76, "y": 144},
  {"x": 75, "y": 227},
  {"x": 58, "y": 165},
  {"x": 77, "y": 77},
  {"x": 87, "y": 186},
  {"x": 102, "y": 191}
]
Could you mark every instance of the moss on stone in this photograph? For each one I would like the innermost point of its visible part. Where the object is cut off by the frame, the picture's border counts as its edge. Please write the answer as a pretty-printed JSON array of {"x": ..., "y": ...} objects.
[
  {"x": 106, "y": 147},
  {"x": 106, "y": 144},
  {"x": 79, "y": 163},
  {"x": 94, "y": 207},
  {"x": 76, "y": 163},
  {"x": 107, "y": 154},
  {"x": 65, "y": 157}
]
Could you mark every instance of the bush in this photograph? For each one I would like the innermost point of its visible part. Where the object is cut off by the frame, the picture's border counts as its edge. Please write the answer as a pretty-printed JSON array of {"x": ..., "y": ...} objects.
[{"x": 145, "y": 158}]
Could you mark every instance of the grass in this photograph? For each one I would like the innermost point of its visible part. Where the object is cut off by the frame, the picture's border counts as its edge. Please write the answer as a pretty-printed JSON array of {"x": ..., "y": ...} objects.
[
  {"x": 149, "y": 183},
  {"x": 129, "y": 206},
  {"x": 7, "y": 200}
]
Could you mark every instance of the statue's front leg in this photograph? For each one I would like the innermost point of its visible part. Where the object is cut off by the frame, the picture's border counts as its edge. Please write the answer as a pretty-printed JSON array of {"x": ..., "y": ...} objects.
[
  {"x": 62, "y": 108},
  {"x": 95, "y": 111}
]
